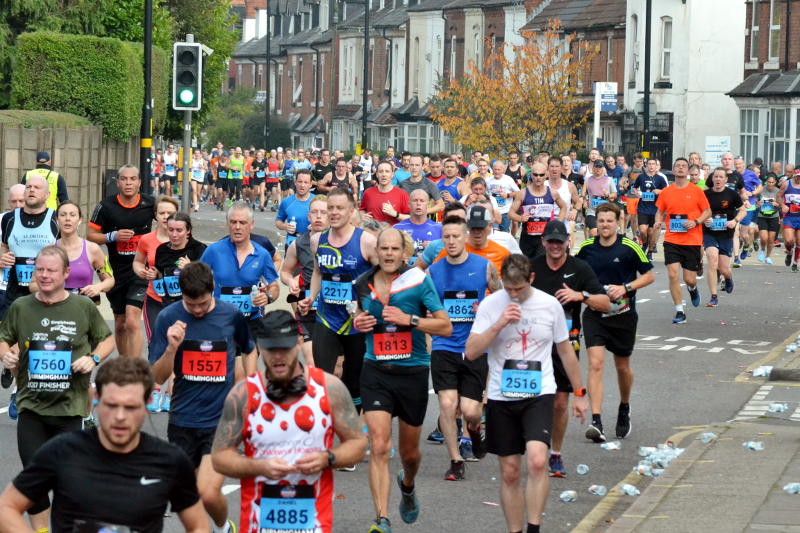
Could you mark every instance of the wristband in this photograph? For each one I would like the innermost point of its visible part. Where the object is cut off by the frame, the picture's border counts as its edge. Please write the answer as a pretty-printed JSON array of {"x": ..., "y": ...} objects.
[{"x": 111, "y": 236}]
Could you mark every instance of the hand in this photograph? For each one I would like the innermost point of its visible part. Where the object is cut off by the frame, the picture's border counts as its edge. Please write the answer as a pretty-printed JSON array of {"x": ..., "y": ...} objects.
[
  {"x": 387, "y": 209},
  {"x": 261, "y": 299},
  {"x": 447, "y": 196},
  {"x": 395, "y": 315},
  {"x": 11, "y": 360},
  {"x": 183, "y": 261},
  {"x": 83, "y": 365},
  {"x": 366, "y": 216},
  {"x": 567, "y": 295},
  {"x": 524, "y": 217},
  {"x": 572, "y": 214},
  {"x": 511, "y": 314},
  {"x": 91, "y": 291},
  {"x": 615, "y": 292},
  {"x": 276, "y": 468},
  {"x": 304, "y": 305},
  {"x": 475, "y": 306},
  {"x": 150, "y": 273},
  {"x": 784, "y": 210},
  {"x": 689, "y": 224},
  {"x": 291, "y": 227},
  {"x": 364, "y": 322},
  {"x": 579, "y": 406},
  {"x": 707, "y": 222},
  {"x": 312, "y": 463},
  {"x": 176, "y": 333},
  {"x": 731, "y": 224},
  {"x": 294, "y": 286},
  {"x": 7, "y": 260},
  {"x": 124, "y": 235}
]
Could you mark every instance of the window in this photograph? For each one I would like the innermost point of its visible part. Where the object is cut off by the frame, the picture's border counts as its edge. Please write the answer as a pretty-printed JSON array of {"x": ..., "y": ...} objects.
[
  {"x": 314, "y": 15},
  {"x": 478, "y": 61},
  {"x": 779, "y": 134},
  {"x": 259, "y": 77},
  {"x": 754, "y": 31},
  {"x": 322, "y": 79},
  {"x": 774, "y": 29},
  {"x": 387, "y": 83},
  {"x": 748, "y": 127},
  {"x": 666, "y": 46},
  {"x": 634, "y": 67},
  {"x": 452, "y": 57},
  {"x": 297, "y": 96},
  {"x": 346, "y": 71},
  {"x": 315, "y": 87},
  {"x": 276, "y": 25},
  {"x": 399, "y": 60}
]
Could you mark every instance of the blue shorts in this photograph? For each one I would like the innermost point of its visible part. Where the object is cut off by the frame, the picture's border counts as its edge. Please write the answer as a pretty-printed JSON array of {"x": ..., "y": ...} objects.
[
  {"x": 721, "y": 242},
  {"x": 791, "y": 222},
  {"x": 749, "y": 218}
]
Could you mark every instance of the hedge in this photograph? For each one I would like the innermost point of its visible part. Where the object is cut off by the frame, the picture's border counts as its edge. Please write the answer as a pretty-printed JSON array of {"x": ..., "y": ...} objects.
[
  {"x": 42, "y": 119},
  {"x": 94, "y": 77}
]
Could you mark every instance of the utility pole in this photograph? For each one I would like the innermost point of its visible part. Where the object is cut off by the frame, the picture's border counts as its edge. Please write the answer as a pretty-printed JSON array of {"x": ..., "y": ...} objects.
[
  {"x": 187, "y": 144},
  {"x": 365, "y": 76},
  {"x": 268, "y": 75},
  {"x": 146, "y": 132},
  {"x": 648, "y": 33}
]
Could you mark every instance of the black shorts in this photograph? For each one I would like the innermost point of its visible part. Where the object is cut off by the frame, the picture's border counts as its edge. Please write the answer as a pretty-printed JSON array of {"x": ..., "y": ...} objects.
[
  {"x": 130, "y": 292},
  {"x": 287, "y": 184},
  {"x": 769, "y": 224},
  {"x": 306, "y": 324},
  {"x": 646, "y": 220},
  {"x": 209, "y": 179},
  {"x": 196, "y": 442},
  {"x": 150, "y": 311},
  {"x": 563, "y": 384},
  {"x": 689, "y": 257},
  {"x": 327, "y": 346},
  {"x": 453, "y": 371},
  {"x": 617, "y": 333},
  {"x": 511, "y": 425},
  {"x": 222, "y": 184},
  {"x": 255, "y": 182},
  {"x": 591, "y": 221},
  {"x": 401, "y": 391},
  {"x": 165, "y": 178},
  {"x": 272, "y": 185}
]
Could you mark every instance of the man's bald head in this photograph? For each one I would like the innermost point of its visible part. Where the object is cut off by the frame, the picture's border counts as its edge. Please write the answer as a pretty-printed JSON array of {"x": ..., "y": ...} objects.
[{"x": 16, "y": 196}]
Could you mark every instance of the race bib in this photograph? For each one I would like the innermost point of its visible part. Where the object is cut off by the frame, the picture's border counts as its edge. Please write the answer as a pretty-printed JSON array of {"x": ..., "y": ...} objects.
[
  {"x": 391, "y": 342},
  {"x": 539, "y": 215},
  {"x": 171, "y": 284},
  {"x": 598, "y": 200},
  {"x": 718, "y": 223},
  {"x": 93, "y": 526},
  {"x": 500, "y": 201},
  {"x": 223, "y": 174},
  {"x": 767, "y": 208},
  {"x": 205, "y": 361},
  {"x": 197, "y": 174},
  {"x": 648, "y": 196},
  {"x": 260, "y": 173},
  {"x": 238, "y": 296},
  {"x": 521, "y": 379},
  {"x": 49, "y": 366},
  {"x": 169, "y": 168},
  {"x": 24, "y": 267},
  {"x": 287, "y": 508},
  {"x": 158, "y": 287},
  {"x": 621, "y": 306},
  {"x": 128, "y": 247},
  {"x": 459, "y": 305},
  {"x": 237, "y": 174},
  {"x": 337, "y": 289},
  {"x": 676, "y": 223}
]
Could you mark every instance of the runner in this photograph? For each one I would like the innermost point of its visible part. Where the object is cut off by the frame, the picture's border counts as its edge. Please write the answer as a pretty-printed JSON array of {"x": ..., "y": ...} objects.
[
  {"x": 292, "y": 214},
  {"x": 199, "y": 169},
  {"x": 223, "y": 178},
  {"x": 448, "y": 187},
  {"x": 119, "y": 222},
  {"x": 622, "y": 267},
  {"x": 789, "y": 201},
  {"x": 173, "y": 256},
  {"x": 236, "y": 177},
  {"x": 287, "y": 174},
  {"x": 197, "y": 339},
  {"x": 341, "y": 254},
  {"x": 273, "y": 184},
  {"x": 16, "y": 198},
  {"x": 384, "y": 202},
  {"x": 752, "y": 188},
  {"x": 286, "y": 487},
  {"x": 686, "y": 208},
  {"x": 647, "y": 188},
  {"x": 768, "y": 219},
  {"x": 340, "y": 177},
  {"x": 430, "y": 253},
  {"x": 299, "y": 258},
  {"x": 521, "y": 384},
  {"x": 96, "y": 475},
  {"x": 403, "y": 171},
  {"x": 417, "y": 181},
  {"x": 574, "y": 284},
  {"x": 534, "y": 207},
  {"x": 322, "y": 168},
  {"x": 258, "y": 175},
  {"x": 567, "y": 191},
  {"x": 515, "y": 169},
  {"x": 169, "y": 177},
  {"x": 462, "y": 281},
  {"x": 727, "y": 210},
  {"x": 502, "y": 188},
  {"x": 419, "y": 227},
  {"x": 599, "y": 189},
  {"x": 394, "y": 300},
  {"x": 53, "y": 366}
]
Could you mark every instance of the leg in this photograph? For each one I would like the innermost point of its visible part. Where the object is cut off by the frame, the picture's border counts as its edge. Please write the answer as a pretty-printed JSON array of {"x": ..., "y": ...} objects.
[
  {"x": 448, "y": 399},
  {"x": 472, "y": 411},
  {"x": 538, "y": 481},
  {"x": 689, "y": 278},
  {"x": 770, "y": 243},
  {"x": 379, "y": 425},
  {"x": 595, "y": 380},
  {"x": 724, "y": 267},
  {"x": 133, "y": 316},
  {"x": 712, "y": 254},
  {"x": 209, "y": 484},
  {"x": 673, "y": 270},
  {"x": 511, "y": 496},
  {"x": 121, "y": 334},
  {"x": 763, "y": 236},
  {"x": 624, "y": 378},
  {"x": 410, "y": 456},
  {"x": 560, "y": 419},
  {"x": 644, "y": 236},
  {"x": 353, "y": 348}
]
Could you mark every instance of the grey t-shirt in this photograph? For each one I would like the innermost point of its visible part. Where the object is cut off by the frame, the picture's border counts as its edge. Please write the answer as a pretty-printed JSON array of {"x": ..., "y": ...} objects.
[{"x": 425, "y": 184}]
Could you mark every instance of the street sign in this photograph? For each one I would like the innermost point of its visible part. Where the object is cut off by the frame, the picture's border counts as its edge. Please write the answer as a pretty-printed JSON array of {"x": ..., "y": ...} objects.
[
  {"x": 606, "y": 91},
  {"x": 715, "y": 147}
]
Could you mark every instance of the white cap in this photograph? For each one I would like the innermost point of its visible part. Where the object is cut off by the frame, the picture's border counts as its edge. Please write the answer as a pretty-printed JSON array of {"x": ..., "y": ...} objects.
[{"x": 280, "y": 149}]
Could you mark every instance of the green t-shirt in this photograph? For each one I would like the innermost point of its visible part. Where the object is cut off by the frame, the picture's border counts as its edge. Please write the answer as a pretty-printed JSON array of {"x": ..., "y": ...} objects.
[
  {"x": 237, "y": 167},
  {"x": 50, "y": 338}
]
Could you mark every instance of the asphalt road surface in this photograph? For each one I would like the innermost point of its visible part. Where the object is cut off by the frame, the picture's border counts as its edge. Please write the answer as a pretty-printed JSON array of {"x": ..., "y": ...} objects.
[{"x": 684, "y": 377}]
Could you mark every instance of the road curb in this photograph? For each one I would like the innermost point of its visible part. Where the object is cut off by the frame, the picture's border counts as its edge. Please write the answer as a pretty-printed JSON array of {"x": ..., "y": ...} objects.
[
  {"x": 599, "y": 513},
  {"x": 774, "y": 355},
  {"x": 784, "y": 374}
]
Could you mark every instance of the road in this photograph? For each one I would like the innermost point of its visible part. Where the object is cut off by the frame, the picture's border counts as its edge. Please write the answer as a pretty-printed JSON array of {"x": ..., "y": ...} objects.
[{"x": 685, "y": 375}]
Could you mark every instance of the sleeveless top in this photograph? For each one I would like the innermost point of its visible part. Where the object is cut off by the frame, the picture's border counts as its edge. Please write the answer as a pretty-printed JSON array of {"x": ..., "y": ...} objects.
[
  {"x": 343, "y": 183},
  {"x": 516, "y": 175},
  {"x": 81, "y": 272},
  {"x": 541, "y": 210},
  {"x": 288, "y": 431},
  {"x": 25, "y": 243},
  {"x": 791, "y": 197},
  {"x": 566, "y": 196},
  {"x": 452, "y": 188}
]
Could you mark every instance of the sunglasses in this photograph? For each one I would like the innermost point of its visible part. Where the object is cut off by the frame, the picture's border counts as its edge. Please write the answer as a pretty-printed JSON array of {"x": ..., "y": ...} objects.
[{"x": 538, "y": 175}]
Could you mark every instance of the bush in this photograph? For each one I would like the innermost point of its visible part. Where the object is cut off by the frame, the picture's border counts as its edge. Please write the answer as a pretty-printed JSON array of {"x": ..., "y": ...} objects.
[
  {"x": 42, "y": 119},
  {"x": 98, "y": 78}
]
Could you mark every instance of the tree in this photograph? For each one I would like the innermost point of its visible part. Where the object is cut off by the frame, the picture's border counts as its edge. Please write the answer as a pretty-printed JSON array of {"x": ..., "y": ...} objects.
[{"x": 526, "y": 98}]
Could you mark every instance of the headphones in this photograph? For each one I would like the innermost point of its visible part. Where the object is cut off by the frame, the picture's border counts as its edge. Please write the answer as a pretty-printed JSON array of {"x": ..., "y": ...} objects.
[{"x": 296, "y": 387}]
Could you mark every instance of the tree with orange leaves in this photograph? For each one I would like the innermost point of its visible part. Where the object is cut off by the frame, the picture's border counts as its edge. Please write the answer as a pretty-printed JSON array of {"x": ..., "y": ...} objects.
[{"x": 526, "y": 99}]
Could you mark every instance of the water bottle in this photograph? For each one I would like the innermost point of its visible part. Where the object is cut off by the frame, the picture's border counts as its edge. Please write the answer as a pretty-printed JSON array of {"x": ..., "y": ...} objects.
[
  {"x": 293, "y": 223},
  {"x": 582, "y": 469},
  {"x": 598, "y": 490},
  {"x": 762, "y": 371},
  {"x": 644, "y": 451},
  {"x": 792, "y": 488},
  {"x": 629, "y": 490},
  {"x": 611, "y": 446},
  {"x": 756, "y": 446},
  {"x": 705, "y": 438},
  {"x": 568, "y": 496},
  {"x": 643, "y": 469},
  {"x": 778, "y": 407},
  {"x": 253, "y": 294}
]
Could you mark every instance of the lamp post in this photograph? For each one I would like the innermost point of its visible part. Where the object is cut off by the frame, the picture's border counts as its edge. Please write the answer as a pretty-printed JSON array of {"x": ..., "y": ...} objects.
[
  {"x": 146, "y": 132},
  {"x": 647, "y": 37}
]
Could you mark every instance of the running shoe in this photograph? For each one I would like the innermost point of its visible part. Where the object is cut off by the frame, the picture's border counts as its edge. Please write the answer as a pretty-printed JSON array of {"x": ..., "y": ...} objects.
[
  {"x": 381, "y": 525},
  {"x": 556, "y": 466},
  {"x": 761, "y": 255},
  {"x": 729, "y": 285},
  {"x": 351, "y": 468},
  {"x": 680, "y": 318},
  {"x": 768, "y": 261},
  {"x": 465, "y": 449},
  {"x": 6, "y": 379},
  {"x": 595, "y": 433},
  {"x": 744, "y": 253},
  {"x": 794, "y": 267},
  {"x": 231, "y": 526},
  {"x": 756, "y": 246},
  {"x": 713, "y": 302},
  {"x": 154, "y": 405},
  {"x": 788, "y": 259},
  {"x": 455, "y": 472},
  {"x": 650, "y": 256},
  {"x": 165, "y": 402},
  {"x": 478, "y": 443},
  {"x": 409, "y": 505},
  {"x": 436, "y": 436},
  {"x": 623, "y": 428},
  {"x": 736, "y": 263},
  {"x": 700, "y": 271},
  {"x": 12, "y": 407},
  {"x": 695, "y": 296}
]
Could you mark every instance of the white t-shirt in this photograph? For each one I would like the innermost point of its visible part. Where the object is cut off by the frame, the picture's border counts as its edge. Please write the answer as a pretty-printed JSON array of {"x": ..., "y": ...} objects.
[
  {"x": 365, "y": 163},
  {"x": 463, "y": 200},
  {"x": 505, "y": 184},
  {"x": 506, "y": 240},
  {"x": 530, "y": 339},
  {"x": 170, "y": 162}
]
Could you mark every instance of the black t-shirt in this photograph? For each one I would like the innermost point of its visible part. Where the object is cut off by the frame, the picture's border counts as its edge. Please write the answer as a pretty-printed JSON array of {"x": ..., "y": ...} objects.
[
  {"x": 256, "y": 165},
  {"x": 617, "y": 264},
  {"x": 320, "y": 171},
  {"x": 14, "y": 291},
  {"x": 724, "y": 205},
  {"x": 167, "y": 257},
  {"x": 578, "y": 276},
  {"x": 735, "y": 180},
  {"x": 575, "y": 179},
  {"x": 110, "y": 215},
  {"x": 90, "y": 483},
  {"x": 264, "y": 242}
]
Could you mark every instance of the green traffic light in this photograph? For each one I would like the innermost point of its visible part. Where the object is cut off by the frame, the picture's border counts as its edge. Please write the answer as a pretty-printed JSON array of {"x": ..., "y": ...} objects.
[{"x": 186, "y": 96}]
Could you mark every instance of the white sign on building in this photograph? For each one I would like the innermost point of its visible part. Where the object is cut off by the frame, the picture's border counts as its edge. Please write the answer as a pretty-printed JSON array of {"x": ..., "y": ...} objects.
[{"x": 715, "y": 147}]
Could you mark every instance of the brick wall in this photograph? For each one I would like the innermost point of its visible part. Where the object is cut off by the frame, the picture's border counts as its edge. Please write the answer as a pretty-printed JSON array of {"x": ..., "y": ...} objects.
[
  {"x": 454, "y": 27},
  {"x": 599, "y": 65},
  {"x": 762, "y": 44}
]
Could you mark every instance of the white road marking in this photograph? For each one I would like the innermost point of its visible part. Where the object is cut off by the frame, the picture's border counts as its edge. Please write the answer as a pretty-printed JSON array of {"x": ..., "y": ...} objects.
[{"x": 227, "y": 489}]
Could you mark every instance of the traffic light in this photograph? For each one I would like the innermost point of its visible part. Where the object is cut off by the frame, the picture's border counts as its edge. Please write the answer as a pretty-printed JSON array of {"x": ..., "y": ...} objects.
[{"x": 187, "y": 76}]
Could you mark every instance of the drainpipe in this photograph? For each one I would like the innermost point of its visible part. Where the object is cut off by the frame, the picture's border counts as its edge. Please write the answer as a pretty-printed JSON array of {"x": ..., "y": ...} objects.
[
  {"x": 391, "y": 60},
  {"x": 316, "y": 84},
  {"x": 788, "y": 35}
]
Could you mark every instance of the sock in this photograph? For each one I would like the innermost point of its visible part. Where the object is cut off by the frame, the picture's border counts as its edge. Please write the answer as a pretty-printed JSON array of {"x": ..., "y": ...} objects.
[
  {"x": 533, "y": 528},
  {"x": 225, "y": 528},
  {"x": 691, "y": 289},
  {"x": 43, "y": 530},
  {"x": 406, "y": 490},
  {"x": 596, "y": 420},
  {"x": 713, "y": 295},
  {"x": 624, "y": 405},
  {"x": 556, "y": 452},
  {"x": 679, "y": 308}
]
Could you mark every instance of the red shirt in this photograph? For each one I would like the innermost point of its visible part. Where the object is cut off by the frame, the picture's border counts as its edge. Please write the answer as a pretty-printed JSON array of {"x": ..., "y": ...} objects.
[{"x": 373, "y": 201}]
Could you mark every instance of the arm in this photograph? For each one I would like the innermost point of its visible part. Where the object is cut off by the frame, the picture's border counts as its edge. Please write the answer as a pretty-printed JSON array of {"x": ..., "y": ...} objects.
[
  {"x": 573, "y": 370},
  {"x": 370, "y": 243},
  {"x": 61, "y": 192},
  {"x": 643, "y": 280},
  {"x": 106, "y": 280},
  {"x": 13, "y": 505},
  {"x": 438, "y": 324},
  {"x": 323, "y": 185},
  {"x": 316, "y": 281},
  {"x": 287, "y": 270},
  {"x": 94, "y": 235},
  {"x": 562, "y": 206},
  {"x": 478, "y": 343},
  {"x": 493, "y": 282},
  {"x": 250, "y": 362},
  {"x": 165, "y": 364},
  {"x": 436, "y": 207},
  {"x": 515, "y": 205},
  {"x": 194, "y": 518}
]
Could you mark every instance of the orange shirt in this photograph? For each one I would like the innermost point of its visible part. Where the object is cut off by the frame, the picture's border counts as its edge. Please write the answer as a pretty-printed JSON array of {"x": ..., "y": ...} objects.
[
  {"x": 147, "y": 246},
  {"x": 494, "y": 252},
  {"x": 686, "y": 203}
]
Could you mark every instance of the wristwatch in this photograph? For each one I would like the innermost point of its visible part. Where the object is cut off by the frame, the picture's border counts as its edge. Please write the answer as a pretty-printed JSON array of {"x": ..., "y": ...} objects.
[
  {"x": 586, "y": 295},
  {"x": 628, "y": 288},
  {"x": 414, "y": 322},
  {"x": 96, "y": 359},
  {"x": 331, "y": 459},
  {"x": 580, "y": 392}
]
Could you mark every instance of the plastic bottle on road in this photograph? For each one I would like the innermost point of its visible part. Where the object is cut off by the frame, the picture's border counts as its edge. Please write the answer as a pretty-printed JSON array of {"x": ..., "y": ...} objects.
[
  {"x": 582, "y": 469},
  {"x": 629, "y": 490},
  {"x": 598, "y": 490},
  {"x": 568, "y": 496},
  {"x": 705, "y": 438},
  {"x": 792, "y": 488},
  {"x": 613, "y": 445},
  {"x": 755, "y": 445}
]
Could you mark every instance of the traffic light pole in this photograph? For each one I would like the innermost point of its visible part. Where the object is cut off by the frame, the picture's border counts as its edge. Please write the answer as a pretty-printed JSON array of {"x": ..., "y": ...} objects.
[
  {"x": 146, "y": 133},
  {"x": 187, "y": 144}
]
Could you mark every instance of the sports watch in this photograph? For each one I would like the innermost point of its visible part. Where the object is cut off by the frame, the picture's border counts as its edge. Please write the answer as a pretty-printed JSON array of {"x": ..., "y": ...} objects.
[
  {"x": 331, "y": 459},
  {"x": 96, "y": 359},
  {"x": 414, "y": 322},
  {"x": 580, "y": 392}
]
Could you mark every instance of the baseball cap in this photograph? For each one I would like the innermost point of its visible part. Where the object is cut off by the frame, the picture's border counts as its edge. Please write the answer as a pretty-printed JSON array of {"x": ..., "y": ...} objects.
[
  {"x": 280, "y": 149},
  {"x": 478, "y": 217},
  {"x": 599, "y": 163},
  {"x": 276, "y": 329},
  {"x": 555, "y": 230},
  {"x": 42, "y": 157}
]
